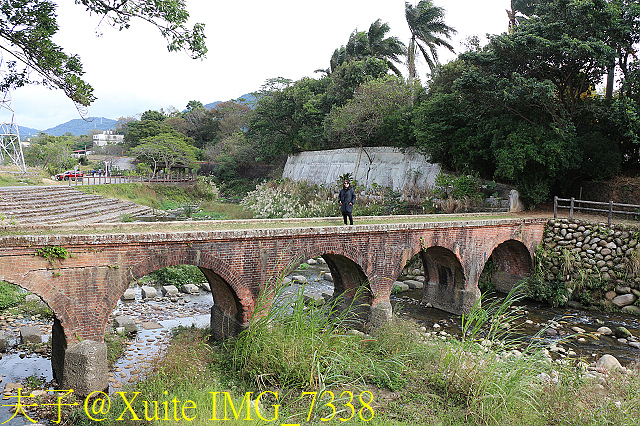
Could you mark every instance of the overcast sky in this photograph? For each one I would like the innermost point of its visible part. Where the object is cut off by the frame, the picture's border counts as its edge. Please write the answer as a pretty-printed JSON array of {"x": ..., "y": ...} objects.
[{"x": 249, "y": 41}]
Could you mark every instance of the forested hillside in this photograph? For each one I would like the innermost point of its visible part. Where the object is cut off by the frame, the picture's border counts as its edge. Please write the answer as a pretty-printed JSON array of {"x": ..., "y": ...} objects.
[{"x": 553, "y": 100}]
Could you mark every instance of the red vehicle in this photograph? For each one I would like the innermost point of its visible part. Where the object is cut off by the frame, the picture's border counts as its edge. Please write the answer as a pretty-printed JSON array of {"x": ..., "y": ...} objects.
[{"x": 69, "y": 174}]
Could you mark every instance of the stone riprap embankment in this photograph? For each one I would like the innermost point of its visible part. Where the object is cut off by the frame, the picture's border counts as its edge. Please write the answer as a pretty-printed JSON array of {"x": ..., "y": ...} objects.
[{"x": 598, "y": 264}]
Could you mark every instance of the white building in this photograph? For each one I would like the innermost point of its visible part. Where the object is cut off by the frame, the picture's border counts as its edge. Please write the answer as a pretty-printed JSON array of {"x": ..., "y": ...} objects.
[{"x": 107, "y": 137}]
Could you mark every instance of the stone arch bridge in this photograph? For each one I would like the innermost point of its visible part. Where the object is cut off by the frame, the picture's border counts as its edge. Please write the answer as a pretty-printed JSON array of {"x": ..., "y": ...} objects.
[{"x": 83, "y": 289}]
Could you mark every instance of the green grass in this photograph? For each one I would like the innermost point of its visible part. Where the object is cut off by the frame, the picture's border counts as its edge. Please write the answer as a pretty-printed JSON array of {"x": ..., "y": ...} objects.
[
  {"x": 168, "y": 197},
  {"x": 10, "y": 295},
  {"x": 411, "y": 378},
  {"x": 34, "y": 176}
]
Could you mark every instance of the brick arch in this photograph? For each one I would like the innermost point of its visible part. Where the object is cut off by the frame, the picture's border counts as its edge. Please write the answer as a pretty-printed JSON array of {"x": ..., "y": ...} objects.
[
  {"x": 76, "y": 296},
  {"x": 446, "y": 285},
  {"x": 217, "y": 267},
  {"x": 513, "y": 262},
  {"x": 345, "y": 264}
]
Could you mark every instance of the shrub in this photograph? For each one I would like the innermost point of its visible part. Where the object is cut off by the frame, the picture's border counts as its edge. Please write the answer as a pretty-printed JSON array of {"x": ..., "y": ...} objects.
[
  {"x": 178, "y": 275},
  {"x": 286, "y": 198},
  {"x": 10, "y": 295},
  {"x": 460, "y": 187}
]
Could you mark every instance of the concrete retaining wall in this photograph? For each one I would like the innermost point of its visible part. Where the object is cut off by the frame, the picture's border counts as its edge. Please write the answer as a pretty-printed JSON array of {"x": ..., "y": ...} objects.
[{"x": 402, "y": 170}]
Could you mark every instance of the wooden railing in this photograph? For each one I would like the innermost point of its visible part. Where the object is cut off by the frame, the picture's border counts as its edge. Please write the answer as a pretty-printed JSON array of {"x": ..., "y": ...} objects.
[
  {"x": 101, "y": 180},
  {"x": 579, "y": 205}
]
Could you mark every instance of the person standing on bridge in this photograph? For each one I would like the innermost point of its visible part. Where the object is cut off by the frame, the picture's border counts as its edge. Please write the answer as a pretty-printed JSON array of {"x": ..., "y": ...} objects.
[{"x": 347, "y": 197}]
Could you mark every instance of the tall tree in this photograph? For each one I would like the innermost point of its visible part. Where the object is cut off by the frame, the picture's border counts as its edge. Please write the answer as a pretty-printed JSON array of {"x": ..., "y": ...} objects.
[
  {"x": 428, "y": 32},
  {"x": 166, "y": 149},
  {"x": 520, "y": 9},
  {"x": 521, "y": 108},
  {"x": 371, "y": 44},
  {"x": 28, "y": 27}
]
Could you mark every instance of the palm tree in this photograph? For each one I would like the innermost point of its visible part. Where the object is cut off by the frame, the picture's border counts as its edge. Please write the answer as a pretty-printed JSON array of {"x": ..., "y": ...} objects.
[
  {"x": 390, "y": 48},
  {"x": 370, "y": 44},
  {"x": 427, "y": 27},
  {"x": 520, "y": 9}
]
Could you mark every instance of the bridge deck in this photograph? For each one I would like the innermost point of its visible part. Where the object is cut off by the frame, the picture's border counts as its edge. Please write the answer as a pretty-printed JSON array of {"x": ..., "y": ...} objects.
[{"x": 249, "y": 224}]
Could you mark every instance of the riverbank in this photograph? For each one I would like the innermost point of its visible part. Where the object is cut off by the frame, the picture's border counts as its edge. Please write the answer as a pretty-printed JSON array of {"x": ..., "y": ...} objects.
[
  {"x": 400, "y": 374},
  {"x": 407, "y": 372}
]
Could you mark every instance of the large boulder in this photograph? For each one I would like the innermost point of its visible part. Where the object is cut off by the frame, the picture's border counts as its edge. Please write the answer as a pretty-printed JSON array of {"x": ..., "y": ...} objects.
[
  {"x": 169, "y": 290},
  {"x": 126, "y": 322},
  {"x": 605, "y": 330},
  {"x": 607, "y": 363},
  {"x": 190, "y": 289},
  {"x": 624, "y": 300},
  {"x": 129, "y": 294},
  {"x": 30, "y": 334},
  {"x": 149, "y": 292}
]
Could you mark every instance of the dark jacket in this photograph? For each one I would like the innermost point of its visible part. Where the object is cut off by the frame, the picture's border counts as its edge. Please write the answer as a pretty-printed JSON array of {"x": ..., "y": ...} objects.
[{"x": 347, "y": 196}]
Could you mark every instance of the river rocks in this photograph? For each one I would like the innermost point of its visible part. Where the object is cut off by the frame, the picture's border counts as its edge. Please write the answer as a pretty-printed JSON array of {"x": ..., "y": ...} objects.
[
  {"x": 605, "y": 330},
  {"x": 607, "y": 363},
  {"x": 190, "y": 289},
  {"x": 631, "y": 310},
  {"x": 414, "y": 284},
  {"x": 623, "y": 289},
  {"x": 610, "y": 295},
  {"x": 624, "y": 300},
  {"x": 592, "y": 258},
  {"x": 400, "y": 286},
  {"x": 621, "y": 332},
  {"x": 149, "y": 292},
  {"x": 205, "y": 286},
  {"x": 129, "y": 294},
  {"x": 4, "y": 343},
  {"x": 30, "y": 334},
  {"x": 32, "y": 298},
  {"x": 125, "y": 322},
  {"x": 314, "y": 299},
  {"x": 299, "y": 279},
  {"x": 169, "y": 290}
]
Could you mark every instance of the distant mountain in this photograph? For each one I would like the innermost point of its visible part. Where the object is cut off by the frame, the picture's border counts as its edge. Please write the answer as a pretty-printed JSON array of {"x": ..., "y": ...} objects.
[
  {"x": 79, "y": 126},
  {"x": 26, "y": 132},
  {"x": 247, "y": 97}
]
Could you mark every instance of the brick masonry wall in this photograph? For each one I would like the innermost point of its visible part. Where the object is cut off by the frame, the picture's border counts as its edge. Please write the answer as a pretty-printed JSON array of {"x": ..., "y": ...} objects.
[{"x": 83, "y": 289}]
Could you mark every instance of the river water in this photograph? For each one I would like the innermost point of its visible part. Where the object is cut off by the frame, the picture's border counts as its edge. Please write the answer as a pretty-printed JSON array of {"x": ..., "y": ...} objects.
[{"x": 156, "y": 318}]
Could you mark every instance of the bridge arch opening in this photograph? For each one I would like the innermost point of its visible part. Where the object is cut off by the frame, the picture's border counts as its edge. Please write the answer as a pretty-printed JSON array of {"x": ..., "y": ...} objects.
[
  {"x": 29, "y": 325},
  {"x": 509, "y": 264},
  {"x": 182, "y": 282},
  {"x": 444, "y": 286},
  {"x": 346, "y": 286}
]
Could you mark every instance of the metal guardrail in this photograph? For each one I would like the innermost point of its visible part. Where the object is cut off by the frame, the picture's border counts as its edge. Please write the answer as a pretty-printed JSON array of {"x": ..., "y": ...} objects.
[
  {"x": 101, "y": 180},
  {"x": 578, "y": 205}
]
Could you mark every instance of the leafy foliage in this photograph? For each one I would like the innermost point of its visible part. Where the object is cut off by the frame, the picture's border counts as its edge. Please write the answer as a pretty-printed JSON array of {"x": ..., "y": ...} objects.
[
  {"x": 370, "y": 44},
  {"x": 10, "y": 295},
  {"x": 52, "y": 253},
  {"x": 273, "y": 199},
  {"x": 522, "y": 109},
  {"x": 28, "y": 27},
  {"x": 376, "y": 116},
  {"x": 166, "y": 150},
  {"x": 178, "y": 275},
  {"x": 428, "y": 31},
  {"x": 448, "y": 186}
]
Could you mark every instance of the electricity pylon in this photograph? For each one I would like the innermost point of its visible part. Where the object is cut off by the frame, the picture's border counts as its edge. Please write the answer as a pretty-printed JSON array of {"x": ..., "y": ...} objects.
[{"x": 10, "y": 145}]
